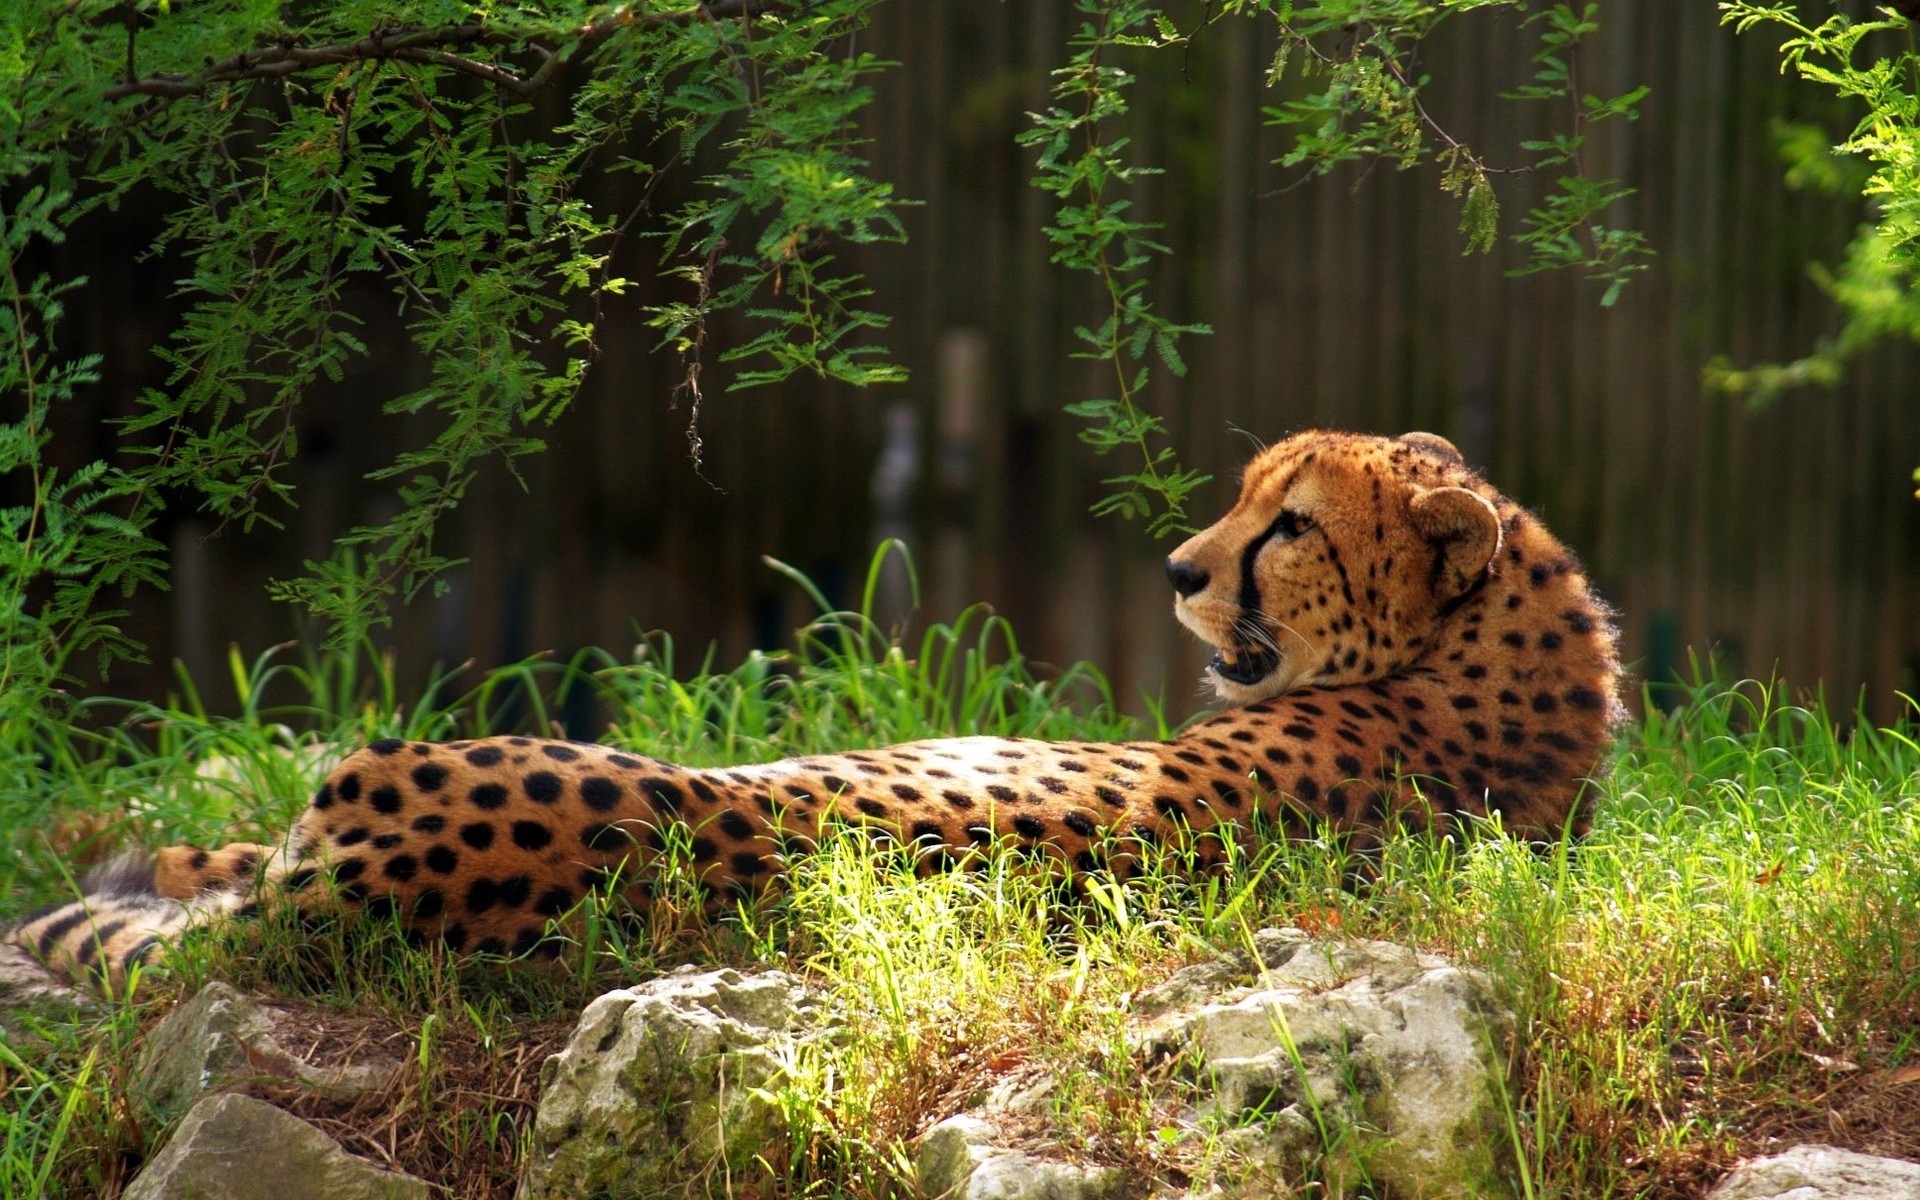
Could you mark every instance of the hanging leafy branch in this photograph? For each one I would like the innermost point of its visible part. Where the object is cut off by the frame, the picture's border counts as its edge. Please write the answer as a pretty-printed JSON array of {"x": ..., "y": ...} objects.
[
  {"x": 1366, "y": 102},
  {"x": 1876, "y": 65},
  {"x": 306, "y": 158},
  {"x": 1082, "y": 164}
]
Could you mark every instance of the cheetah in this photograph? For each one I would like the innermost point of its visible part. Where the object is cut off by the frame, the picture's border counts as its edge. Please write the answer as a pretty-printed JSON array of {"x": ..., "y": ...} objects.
[{"x": 1399, "y": 643}]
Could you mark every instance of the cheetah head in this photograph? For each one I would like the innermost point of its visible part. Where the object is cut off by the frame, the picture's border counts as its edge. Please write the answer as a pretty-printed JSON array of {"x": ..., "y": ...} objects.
[{"x": 1338, "y": 563}]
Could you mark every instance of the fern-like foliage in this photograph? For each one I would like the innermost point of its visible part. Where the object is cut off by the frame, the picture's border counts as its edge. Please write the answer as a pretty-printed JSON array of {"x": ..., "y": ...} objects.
[{"x": 1873, "y": 64}]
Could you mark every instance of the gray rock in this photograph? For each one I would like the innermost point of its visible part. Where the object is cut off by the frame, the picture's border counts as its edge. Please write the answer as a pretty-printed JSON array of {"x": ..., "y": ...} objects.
[
  {"x": 1272, "y": 950},
  {"x": 960, "y": 1159},
  {"x": 236, "y": 1148},
  {"x": 222, "y": 1039},
  {"x": 1820, "y": 1173},
  {"x": 1369, "y": 1060},
  {"x": 667, "y": 1083}
]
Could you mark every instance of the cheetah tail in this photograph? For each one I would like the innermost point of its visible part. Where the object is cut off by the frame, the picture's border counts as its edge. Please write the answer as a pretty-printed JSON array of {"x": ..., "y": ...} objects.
[{"x": 136, "y": 904}]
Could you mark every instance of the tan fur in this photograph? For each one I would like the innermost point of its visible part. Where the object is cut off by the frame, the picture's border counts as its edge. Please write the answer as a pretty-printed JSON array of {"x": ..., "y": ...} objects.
[{"x": 1435, "y": 652}]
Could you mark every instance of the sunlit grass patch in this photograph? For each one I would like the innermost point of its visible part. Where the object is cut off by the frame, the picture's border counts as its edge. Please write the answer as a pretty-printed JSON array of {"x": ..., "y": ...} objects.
[{"x": 1726, "y": 963}]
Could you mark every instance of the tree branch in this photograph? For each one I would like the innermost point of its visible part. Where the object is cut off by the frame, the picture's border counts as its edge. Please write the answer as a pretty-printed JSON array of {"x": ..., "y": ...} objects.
[{"x": 439, "y": 46}]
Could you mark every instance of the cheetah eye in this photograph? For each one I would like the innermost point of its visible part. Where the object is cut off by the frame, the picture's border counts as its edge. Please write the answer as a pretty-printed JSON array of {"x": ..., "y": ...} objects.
[{"x": 1291, "y": 524}]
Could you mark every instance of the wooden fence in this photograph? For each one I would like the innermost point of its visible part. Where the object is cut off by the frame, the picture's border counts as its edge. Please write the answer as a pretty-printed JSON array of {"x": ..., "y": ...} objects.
[{"x": 1789, "y": 538}]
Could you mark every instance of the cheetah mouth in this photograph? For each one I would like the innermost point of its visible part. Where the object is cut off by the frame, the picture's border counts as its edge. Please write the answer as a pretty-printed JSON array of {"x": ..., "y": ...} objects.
[{"x": 1244, "y": 665}]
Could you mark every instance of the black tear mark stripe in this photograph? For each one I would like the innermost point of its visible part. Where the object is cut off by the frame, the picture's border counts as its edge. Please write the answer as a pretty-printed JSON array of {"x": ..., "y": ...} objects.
[
  {"x": 1249, "y": 590},
  {"x": 1249, "y": 587}
]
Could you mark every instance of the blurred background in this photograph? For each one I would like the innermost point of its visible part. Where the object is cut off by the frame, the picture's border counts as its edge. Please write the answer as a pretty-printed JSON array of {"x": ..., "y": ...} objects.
[{"x": 1784, "y": 540}]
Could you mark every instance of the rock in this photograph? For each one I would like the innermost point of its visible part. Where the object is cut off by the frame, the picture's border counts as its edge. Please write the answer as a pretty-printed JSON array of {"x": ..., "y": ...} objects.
[
  {"x": 1369, "y": 1060},
  {"x": 236, "y": 1148},
  {"x": 961, "y": 1160},
  {"x": 1820, "y": 1173},
  {"x": 222, "y": 1039},
  {"x": 1273, "y": 949},
  {"x": 662, "y": 1083}
]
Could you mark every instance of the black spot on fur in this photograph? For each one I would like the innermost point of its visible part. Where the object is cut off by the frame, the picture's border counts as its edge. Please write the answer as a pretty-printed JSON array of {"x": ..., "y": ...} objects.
[
  {"x": 488, "y": 796},
  {"x": 386, "y": 799},
  {"x": 665, "y": 796},
  {"x": 428, "y": 777},
  {"x": 441, "y": 860},
  {"x": 431, "y": 823},
  {"x": 604, "y": 836},
  {"x": 560, "y": 753},
  {"x": 599, "y": 793},
  {"x": 401, "y": 867},
  {"x": 1029, "y": 826},
  {"x": 386, "y": 746},
  {"x": 486, "y": 756},
  {"x": 479, "y": 835},
  {"x": 531, "y": 835}
]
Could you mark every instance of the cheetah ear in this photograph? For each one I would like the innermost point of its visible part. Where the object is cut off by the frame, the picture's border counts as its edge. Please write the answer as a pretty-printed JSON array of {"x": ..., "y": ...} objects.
[
  {"x": 1433, "y": 443},
  {"x": 1465, "y": 532}
]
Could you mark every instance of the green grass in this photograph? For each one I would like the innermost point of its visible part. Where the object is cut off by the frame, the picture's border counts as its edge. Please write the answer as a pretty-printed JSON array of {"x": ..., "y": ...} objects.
[{"x": 1729, "y": 958}]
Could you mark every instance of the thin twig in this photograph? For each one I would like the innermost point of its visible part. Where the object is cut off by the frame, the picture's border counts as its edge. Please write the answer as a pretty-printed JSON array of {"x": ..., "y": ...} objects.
[{"x": 437, "y": 46}]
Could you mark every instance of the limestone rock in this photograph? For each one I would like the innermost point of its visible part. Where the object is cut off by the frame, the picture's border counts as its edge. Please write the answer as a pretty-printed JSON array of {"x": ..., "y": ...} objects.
[
  {"x": 222, "y": 1039},
  {"x": 1396, "y": 1056},
  {"x": 961, "y": 1160},
  {"x": 1273, "y": 949},
  {"x": 661, "y": 1085},
  {"x": 1820, "y": 1173},
  {"x": 236, "y": 1148}
]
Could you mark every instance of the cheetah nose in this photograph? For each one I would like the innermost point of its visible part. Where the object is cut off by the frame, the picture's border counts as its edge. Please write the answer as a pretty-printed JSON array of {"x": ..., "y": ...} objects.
[{"x": 1185, "y": 577}]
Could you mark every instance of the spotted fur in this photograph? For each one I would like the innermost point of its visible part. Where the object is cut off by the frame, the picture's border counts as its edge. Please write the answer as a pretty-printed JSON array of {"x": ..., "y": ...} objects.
[{"x": 1400, "y": 641}]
